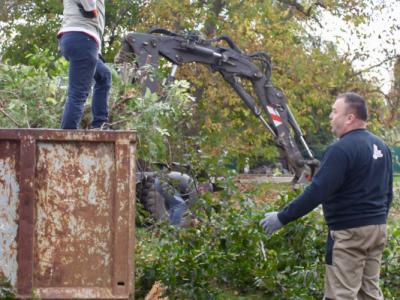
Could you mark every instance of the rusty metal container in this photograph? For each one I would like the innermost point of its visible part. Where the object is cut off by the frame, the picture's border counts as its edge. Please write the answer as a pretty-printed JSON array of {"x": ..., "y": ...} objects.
[{"x": 67, "y": 207}]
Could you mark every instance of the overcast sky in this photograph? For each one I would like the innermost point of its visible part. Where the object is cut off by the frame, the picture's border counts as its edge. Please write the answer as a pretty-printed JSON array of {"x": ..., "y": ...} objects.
[{"x": 384, "y": 31}]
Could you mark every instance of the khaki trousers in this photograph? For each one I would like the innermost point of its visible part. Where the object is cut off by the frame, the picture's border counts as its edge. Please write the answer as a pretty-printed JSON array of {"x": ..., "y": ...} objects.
[{"x": 353, "y": 263}]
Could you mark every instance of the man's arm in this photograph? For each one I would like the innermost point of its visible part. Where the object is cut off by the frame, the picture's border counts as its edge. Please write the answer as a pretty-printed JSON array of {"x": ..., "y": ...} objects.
[
  {"x": 328, "y": 179},
  {"x": 88, "y": 5},
  {"x": 88, "y": 8}
]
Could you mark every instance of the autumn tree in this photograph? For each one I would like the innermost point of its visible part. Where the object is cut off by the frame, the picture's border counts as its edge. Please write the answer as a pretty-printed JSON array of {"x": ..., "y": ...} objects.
[
  {"x": 390, "y": 117},
  {"x": 309, "y": 70},
  {"x": 30, "y": 26}
]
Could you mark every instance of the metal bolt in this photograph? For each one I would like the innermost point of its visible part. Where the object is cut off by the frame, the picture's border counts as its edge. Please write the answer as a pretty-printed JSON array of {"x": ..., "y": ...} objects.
[{"x": 178, "y": 58}]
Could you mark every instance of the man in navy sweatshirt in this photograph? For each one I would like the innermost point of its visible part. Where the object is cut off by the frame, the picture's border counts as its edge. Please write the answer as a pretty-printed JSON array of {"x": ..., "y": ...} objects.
[
  {"x": 354, "y": 186},
  {"x": 80, "y": 43}
]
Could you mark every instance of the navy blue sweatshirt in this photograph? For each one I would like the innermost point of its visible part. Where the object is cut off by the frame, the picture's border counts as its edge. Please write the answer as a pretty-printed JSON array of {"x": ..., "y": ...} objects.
[{"x": 354, "y": 184}]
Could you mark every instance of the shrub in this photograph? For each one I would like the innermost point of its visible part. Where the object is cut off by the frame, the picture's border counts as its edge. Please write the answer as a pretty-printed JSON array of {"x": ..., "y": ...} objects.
[
  {"x": 29, "y": 98},
  {"x": 228, "y": 250},
  {"x": 6, "y": 291}
]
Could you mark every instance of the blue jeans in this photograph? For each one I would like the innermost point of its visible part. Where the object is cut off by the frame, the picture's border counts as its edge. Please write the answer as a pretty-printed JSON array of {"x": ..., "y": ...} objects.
[{"x": 84, "y": 65}]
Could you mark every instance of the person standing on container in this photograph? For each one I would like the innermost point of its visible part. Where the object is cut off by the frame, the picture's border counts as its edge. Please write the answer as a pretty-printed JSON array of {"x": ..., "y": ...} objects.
[
  {"x": 355, "y": 187},
  {"x": 80, "y": 43}
]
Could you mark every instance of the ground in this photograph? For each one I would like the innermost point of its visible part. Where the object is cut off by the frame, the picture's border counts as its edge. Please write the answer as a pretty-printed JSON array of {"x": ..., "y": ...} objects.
[{"x": 265, "y": 188}]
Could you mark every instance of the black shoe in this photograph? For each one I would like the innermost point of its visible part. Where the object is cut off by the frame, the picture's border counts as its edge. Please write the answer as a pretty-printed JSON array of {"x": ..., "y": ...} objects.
[{"x": 104, "y": 126}]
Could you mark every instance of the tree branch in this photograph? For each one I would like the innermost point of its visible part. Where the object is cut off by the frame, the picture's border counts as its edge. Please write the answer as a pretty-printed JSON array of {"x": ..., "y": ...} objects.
[
  {"x": 306, "y": 12},
  {"x": 210, "y": 28},
  {"x": 374, "y": 66},
  {"x": 8, "y": 116}
]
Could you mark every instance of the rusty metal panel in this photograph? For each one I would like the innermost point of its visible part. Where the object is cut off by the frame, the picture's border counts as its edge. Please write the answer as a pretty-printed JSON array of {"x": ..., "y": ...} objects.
[
  {"x": 67, "y": 213},
  {"x": 9, "y": 191}
]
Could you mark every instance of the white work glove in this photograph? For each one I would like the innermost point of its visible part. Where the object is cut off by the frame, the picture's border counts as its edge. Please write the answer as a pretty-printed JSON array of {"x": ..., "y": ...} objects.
[{"x": 270, "y": 223}]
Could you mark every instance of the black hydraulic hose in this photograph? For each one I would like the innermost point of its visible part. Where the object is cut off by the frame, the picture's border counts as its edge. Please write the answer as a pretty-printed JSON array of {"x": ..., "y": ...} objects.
[
  {"x": 265, "y": 61},
  {"x": 163, "y": 31},
  {"x": 230, "y": 42}
]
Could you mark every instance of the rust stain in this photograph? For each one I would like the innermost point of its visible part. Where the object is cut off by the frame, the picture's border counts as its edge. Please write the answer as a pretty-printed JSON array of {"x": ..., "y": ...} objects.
[
  {"x": 9, "y": 190},
  {"x": 77, "y": 191},
  {"x": 77, "y": 293},
  {"x": 74, "y": 214}
]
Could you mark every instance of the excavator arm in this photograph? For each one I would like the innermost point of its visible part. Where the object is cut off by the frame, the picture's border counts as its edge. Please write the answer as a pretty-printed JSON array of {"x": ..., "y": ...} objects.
[{"x": 235, "y": 67}]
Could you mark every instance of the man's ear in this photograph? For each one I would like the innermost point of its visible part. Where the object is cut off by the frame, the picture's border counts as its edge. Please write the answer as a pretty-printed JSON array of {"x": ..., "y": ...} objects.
[{"x": 350, "y": 118}]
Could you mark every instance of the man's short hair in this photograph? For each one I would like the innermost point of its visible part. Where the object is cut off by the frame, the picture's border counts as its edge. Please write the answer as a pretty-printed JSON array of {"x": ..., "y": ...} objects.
[{"x": 356, "y": 105}]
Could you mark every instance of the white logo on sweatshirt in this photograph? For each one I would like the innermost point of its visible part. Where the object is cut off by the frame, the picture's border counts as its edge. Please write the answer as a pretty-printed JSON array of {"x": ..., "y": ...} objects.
[{"x": 377, "y": 153}]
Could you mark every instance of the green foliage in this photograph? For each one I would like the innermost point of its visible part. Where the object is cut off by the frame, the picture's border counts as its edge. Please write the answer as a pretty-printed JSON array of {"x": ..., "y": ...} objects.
[
  {"x": 160, "y": 121},
  {"x": 309, "y": 72},
  {"x": 33, "y": 96},
  {"x": 396, "y": 192},
  {"x": 6, "y": 291},
  {"x": 29, "y": 25},
  {"x": 228, "y": 250},
  {"x": 390, "y": 272},
  {"x": 30, "y": 96}
]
